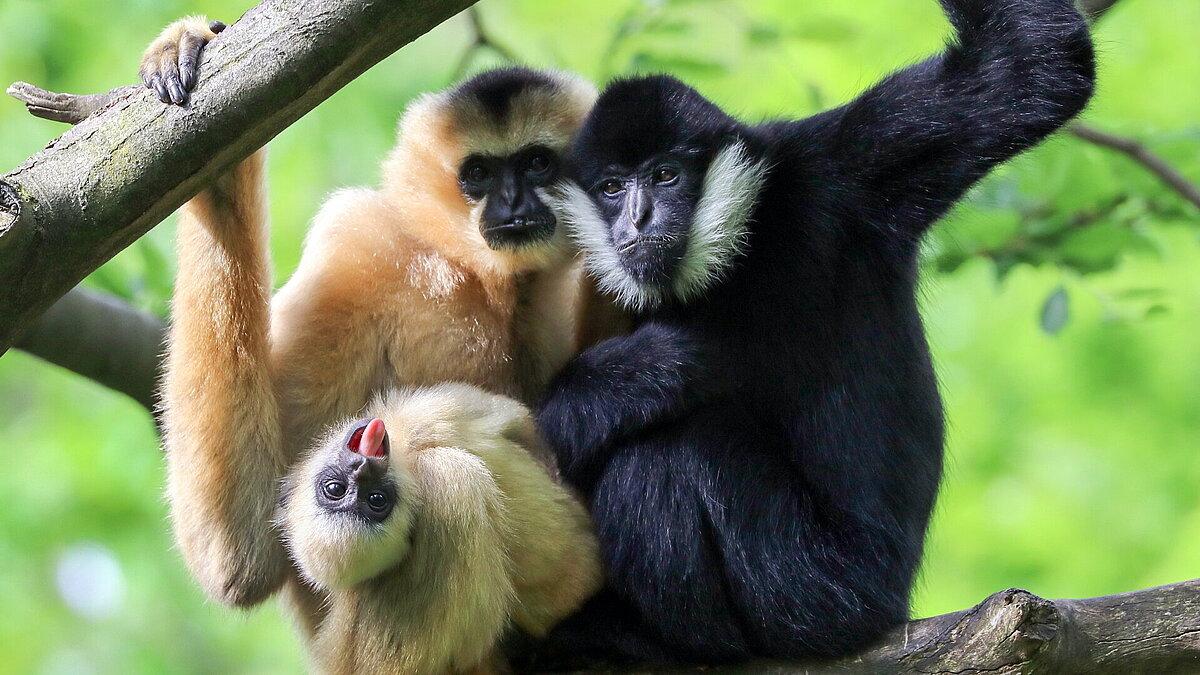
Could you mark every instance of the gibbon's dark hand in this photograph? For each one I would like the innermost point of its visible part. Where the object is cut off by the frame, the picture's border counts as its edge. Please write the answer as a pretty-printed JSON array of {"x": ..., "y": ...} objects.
[
  {"x": 170, "y": 66},
  {"x": 618, "y": 388}
]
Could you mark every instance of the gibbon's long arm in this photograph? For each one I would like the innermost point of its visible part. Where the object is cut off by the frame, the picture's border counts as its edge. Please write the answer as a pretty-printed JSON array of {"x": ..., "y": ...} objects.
[
  {"x": 249, "y": 381},
  {"x": 221, "y": 416},
  {"x": 620, "y": 387},
  {"x": 910, "y": 146}
]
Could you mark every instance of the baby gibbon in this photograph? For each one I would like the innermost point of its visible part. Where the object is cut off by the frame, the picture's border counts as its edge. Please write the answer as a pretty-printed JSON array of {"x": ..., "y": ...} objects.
[{"x": 429, "y": 526}]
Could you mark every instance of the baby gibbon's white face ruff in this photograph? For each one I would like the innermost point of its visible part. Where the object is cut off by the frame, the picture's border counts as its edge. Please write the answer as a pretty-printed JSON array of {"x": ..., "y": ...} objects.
[
  {"x": 333, "y": 536},
  {"x": 716, "y": 237},
  {"x": 489, "y": 150},
  {"x": 335, "y": 546}
]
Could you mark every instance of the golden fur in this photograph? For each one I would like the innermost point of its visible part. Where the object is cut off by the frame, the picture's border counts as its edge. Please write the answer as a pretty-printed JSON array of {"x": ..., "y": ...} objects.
[
  {"x": 481, "y": 535},
  {"x": 396, "y": 288}
]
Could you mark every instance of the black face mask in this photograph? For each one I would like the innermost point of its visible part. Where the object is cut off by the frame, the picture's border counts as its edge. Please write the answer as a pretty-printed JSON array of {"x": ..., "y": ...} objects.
[{"x": 514, "y": 215}]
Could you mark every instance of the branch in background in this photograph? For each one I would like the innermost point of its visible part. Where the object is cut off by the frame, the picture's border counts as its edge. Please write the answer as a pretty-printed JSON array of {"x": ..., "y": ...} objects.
[
  {"x": 1026, "y": 242},
  {"x": 1151, "y": 631},
  {"x": 481, "y": 38},
  {"x": 102, "y": 338},
  {"x": 107, "y": 181},
  {"x": 1094, "y": 9},
  {"x": 1142, "y": 155}
]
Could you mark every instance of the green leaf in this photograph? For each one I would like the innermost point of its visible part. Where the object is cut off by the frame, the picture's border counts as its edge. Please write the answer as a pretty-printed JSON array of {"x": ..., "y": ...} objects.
[
  {"x": 1056, "y": 311},
  {"x": 687, "y": 66},
  {"x": 825, "y": 29},
  {"x": 1154, "y": 310},
  {"x": 763, "y": 34}
]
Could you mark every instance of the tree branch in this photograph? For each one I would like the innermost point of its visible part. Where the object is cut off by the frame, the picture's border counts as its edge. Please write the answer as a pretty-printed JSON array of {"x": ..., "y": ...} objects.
[
  {"x": 1150, "y": 631},
  {"x": 1142, "y": 155},
  {"x": 107, "y": 181},
  {"x": 481, "y": 38},
  {"x": 102, "y": 338},
  {"x": 1095, "y": 9}
]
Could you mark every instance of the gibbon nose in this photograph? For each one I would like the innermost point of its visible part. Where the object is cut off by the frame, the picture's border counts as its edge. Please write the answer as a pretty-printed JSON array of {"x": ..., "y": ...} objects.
[{"x": 641, "y": 211}]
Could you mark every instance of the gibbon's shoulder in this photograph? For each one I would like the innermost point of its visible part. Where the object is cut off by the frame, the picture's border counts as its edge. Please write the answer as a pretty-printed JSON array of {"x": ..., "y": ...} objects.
[
  {"x": 360, "y": 237},
  {"x": 353, "y": 223}
]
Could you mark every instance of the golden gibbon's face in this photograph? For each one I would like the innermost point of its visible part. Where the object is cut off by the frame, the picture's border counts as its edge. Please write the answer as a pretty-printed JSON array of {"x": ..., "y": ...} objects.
[
  {"x": 491, "y": 149},
  {"x": 347, "y": 509}
]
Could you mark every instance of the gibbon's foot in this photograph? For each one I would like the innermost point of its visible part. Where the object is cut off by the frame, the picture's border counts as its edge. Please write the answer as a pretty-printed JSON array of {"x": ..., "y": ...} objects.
[{"x": 170, "y": 67}]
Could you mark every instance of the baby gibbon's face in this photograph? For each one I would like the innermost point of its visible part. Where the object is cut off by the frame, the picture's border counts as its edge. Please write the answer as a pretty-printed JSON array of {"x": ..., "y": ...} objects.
[
  {"x": 355, "y": 480},
  {"x": 346, "y": 509}
]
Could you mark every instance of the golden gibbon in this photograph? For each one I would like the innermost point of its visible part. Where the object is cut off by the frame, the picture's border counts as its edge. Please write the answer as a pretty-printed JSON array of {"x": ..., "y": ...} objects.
[{"x": 454, "y": 269}]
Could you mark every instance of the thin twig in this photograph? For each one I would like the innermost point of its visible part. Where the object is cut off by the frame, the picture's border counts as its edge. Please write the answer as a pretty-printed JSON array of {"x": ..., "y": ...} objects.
[
  {"x": 1094, "y": 9},
  {"x": 481, "y": 38},
  {"x": 1142, "y": 155}
]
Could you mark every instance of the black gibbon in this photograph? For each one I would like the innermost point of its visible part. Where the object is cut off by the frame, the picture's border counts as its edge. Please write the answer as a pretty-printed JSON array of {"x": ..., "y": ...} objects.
[
  {"x": 762, "y": 454},
  {"x": 430, "y": 527},
  {"x": 454, "y": 269}
]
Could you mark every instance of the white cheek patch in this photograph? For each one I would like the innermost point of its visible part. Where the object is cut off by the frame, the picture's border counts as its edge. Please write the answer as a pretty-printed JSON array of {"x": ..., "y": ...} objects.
[
  {"x": 716, "y": 238},
  {"x": 593, "y": 236},
  {"x": 718, "y": 233}
]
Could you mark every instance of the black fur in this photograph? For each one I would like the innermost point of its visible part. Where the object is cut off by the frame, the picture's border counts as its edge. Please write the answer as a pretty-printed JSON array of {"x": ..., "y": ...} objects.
[{"x": 761, "y": 463}]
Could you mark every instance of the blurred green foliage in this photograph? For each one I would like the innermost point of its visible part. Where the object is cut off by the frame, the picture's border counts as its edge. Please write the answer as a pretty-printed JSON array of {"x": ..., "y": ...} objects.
[{"x": 1062, "y": 300}]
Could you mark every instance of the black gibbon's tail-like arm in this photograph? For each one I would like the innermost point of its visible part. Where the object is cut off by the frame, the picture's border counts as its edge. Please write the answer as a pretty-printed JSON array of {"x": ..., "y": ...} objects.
[{"x": 915, "y": 142}]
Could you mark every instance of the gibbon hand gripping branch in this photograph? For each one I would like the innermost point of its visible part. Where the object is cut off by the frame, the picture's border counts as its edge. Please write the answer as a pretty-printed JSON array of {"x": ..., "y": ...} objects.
[{"x": 108, "y": 180}]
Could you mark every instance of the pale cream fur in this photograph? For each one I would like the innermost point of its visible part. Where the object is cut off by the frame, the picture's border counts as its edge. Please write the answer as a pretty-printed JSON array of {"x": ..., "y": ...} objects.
[
  {"x": 396, "y": 288},
  {"x": 481, "y": 536}
]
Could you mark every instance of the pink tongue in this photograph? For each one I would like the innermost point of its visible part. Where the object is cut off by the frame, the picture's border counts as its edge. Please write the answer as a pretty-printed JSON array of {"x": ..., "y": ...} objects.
[{"x": 371, "y": 444}]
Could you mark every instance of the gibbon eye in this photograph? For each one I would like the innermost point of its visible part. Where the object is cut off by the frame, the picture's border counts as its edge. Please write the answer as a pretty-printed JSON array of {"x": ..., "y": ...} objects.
[
  {"x": 334, "y": 489},
  {"x": 665, "y": 174},
  {"x": 377, "y": 501},
  {"x": 539, "y": 162},
  {"x": 477, "y": 173},
  {"x": 612, "y": 188}
]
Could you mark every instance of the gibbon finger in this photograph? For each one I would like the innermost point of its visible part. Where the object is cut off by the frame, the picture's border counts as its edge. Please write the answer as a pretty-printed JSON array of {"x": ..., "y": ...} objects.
[
  {"x": 168, "y": 71},
  {"x": 159, "y": 88},
  {"x": 190, "y": 46}
]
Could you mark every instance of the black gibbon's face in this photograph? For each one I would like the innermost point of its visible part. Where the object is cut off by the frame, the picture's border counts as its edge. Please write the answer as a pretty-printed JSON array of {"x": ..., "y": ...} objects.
[
  {"x": 649, "y": 210},
  {"x": 514, "y": 214},
  {"x": 356, "y": 481}
]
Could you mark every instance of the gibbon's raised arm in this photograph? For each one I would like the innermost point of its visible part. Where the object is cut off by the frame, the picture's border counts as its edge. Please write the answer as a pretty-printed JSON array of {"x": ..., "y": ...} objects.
[
  {"x": 221, "y": 417},
  {"x": 914, "y": 143},
  {"x": 247, "y": 382},
  {"x": 620, "y": 387}
]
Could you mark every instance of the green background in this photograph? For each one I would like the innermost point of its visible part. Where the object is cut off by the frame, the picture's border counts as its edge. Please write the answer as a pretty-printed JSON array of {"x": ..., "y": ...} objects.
[{"x": 1062, "y": 302}]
